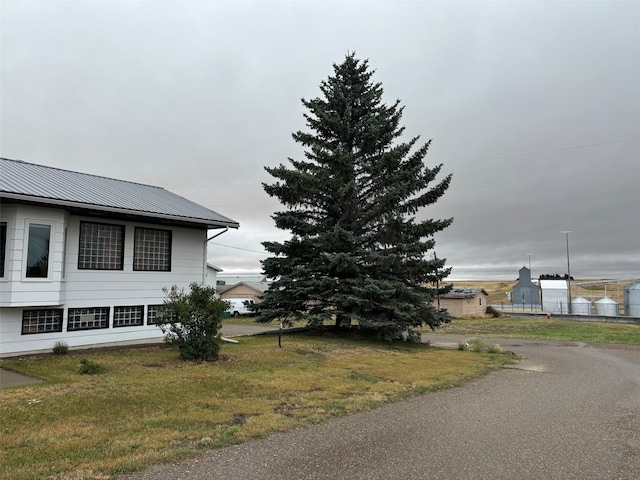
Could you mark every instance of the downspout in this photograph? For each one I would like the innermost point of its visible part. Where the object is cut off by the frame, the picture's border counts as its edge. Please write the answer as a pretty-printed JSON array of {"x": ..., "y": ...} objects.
[{"x": 204, "y": 270}]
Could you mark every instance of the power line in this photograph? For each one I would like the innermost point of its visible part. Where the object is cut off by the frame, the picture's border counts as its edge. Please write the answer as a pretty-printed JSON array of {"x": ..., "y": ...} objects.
[
  {"x": 238, "y": 248},
  {"x": 561, "y": 149},
  {"x": 554, "y": 179}
]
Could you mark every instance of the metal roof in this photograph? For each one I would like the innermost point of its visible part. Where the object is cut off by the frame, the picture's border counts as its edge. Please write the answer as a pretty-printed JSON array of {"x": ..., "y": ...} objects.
[
  {"x": 464, "y": 293},
  {"x": 259, "y": 287},
  {"x": 553, "y": 284},
  {"x": 27, "y": 182}
]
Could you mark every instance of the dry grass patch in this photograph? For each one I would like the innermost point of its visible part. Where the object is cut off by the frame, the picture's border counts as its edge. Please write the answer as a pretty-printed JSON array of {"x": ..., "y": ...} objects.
[
  {"x": 599, "y": 332},
  {"x": 149, "y": 407}
]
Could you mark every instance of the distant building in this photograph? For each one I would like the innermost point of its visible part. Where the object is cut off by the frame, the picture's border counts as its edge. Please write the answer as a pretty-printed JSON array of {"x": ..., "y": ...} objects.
[
  {"x": 554, "y": 296},
  {"x": 212, "y": 275},
  {"x": 244, "y": 290},
  {"x": 525, "y": 292},
  {"x": 464, "y": 302}
]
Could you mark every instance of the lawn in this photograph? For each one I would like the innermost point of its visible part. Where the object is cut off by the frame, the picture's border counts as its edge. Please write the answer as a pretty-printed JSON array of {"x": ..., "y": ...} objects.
[
  {"x": 543, "y": 329},
  {"x": 150, "y": 407}
]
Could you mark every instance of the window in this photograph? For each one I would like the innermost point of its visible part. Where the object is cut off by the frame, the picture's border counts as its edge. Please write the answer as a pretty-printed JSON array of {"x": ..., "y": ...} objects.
[
  {"x": 64, "y": 255},
  {"x": 152, "y": 250},
  {"x": 88, "y": 318},
  {"x": 41, "y": 321},
  {"x": 127, "y": 316},
  {"x": 101, "y": 246},
  {"x": 38, "y": 251},
  {"x": 152, "y": 314},
  {"x": 3, "y": 246}
]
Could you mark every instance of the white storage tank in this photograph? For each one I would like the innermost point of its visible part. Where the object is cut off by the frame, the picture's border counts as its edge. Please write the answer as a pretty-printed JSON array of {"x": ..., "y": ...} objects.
[
  {"x": 580, "y": 306},
  {"x": 607, "y": 307},
  {"x": 632, "y": 300}
]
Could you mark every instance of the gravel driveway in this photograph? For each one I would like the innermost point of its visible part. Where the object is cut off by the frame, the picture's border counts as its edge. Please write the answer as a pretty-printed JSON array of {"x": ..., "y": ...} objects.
[{"x": 569, "y": 411}]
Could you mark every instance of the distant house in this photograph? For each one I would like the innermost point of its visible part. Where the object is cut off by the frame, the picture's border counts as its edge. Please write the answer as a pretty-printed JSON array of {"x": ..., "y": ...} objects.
[
  {"x": 249, "y": 290},
  {"x": 212, "y": 275},
  {"x": 85, "y": 258},
  {"x": 464, "y": 302},
  {"x": 525, "y": 292}
]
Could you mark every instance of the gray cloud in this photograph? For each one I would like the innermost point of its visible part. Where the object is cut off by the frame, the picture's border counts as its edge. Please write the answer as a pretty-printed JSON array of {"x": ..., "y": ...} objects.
[{"x": 533, "y": 106}]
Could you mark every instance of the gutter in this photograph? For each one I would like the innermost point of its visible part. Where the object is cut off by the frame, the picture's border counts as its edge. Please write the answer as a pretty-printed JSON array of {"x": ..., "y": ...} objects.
[{"x": 204, "y": 268}]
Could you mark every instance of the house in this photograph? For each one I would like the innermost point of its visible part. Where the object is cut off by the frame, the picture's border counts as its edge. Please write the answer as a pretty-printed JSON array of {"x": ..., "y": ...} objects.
[
  {"x": 212, "y": 275},
  {"x": 464, "y": 302},
  {"x": 554, "y": 296},
  {"x": 85, "y": 258},
  {"x": 248, "y": 290},
  {"x": 525, "y": 292}
]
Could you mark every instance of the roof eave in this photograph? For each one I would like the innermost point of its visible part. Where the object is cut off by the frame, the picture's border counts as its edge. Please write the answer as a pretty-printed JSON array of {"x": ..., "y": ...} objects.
[{"x": 210, "y": 224}]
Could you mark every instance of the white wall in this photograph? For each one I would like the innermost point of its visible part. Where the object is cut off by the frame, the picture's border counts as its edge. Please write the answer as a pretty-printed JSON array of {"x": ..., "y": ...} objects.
[
  {"x": 15, "y": 288},
  {"x": 555, "y": 300},
  {"x": 87, "y": 288}
]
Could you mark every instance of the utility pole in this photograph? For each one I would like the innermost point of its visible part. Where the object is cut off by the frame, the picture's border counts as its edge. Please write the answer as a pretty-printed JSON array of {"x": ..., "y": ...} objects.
[
  {"x": 435, "y": 257},
  {"x": 567, "y": 232}
]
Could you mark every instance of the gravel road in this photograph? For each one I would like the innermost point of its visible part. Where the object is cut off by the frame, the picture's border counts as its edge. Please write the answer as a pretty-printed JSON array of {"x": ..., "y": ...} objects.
[{"x": 569, "y": 411}]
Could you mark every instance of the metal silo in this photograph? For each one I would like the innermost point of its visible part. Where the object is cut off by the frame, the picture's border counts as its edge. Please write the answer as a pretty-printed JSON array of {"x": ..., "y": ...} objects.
[
  {"x": 607, "y": 307},
  {"x": 632, "y": 300},
  {"x": 580, "y": 306}
]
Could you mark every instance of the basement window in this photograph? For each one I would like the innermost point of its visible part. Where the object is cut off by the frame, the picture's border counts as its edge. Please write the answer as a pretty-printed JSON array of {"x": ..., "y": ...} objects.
[
  {"x": 87, "y": 318},
  {"x": 41, "y": 321},
  {"x": 128, "y": 316}
]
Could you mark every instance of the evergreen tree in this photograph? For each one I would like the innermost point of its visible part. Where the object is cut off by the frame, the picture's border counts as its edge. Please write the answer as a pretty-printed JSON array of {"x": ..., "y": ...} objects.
[{"x": 357, "y": 251}]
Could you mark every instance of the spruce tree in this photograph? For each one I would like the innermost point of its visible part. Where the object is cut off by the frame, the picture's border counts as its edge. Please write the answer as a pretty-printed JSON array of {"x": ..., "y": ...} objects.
[{"x": 357, "y": 252}]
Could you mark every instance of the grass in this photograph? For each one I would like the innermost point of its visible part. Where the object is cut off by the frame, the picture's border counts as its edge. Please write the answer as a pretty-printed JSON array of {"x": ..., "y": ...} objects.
[
  {"x": 147, "y": 406},
  {"x": 508, "y": 327}
]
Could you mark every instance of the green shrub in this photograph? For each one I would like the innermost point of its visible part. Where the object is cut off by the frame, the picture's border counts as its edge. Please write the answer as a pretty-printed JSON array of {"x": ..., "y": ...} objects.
[
  {"x": 88, "y": 367},
  {"x": 60, "y": 348},
  {"x": 191, "y": 321}
]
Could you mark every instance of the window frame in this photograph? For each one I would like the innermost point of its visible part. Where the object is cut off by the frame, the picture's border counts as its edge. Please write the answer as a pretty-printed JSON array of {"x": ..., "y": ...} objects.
[
  {"x": 27, "y": 244},
  {"x": 4, "y": 244},
  {"x": 96, "y": 310},
  {"x": 151, "y": 317},
  {"x": 82, "y": 254},
  {"x": 116, "y": 309},
  {"x": 58, "y": 311},
  {"x": 141, "y": 250}
]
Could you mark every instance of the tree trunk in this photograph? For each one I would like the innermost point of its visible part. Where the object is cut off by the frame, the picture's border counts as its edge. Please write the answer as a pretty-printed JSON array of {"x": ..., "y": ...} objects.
[{"x": 343, "y": 321}]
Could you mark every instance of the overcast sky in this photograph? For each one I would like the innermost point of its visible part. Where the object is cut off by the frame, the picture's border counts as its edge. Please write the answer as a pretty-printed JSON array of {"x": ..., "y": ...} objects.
[{"x": 534, "y": 106}]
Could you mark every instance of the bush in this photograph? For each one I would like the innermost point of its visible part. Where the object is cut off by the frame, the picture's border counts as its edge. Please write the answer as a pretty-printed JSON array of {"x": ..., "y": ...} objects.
[
  {"x": 88, "y": 367},
  {"x": 191, "y": 321},
  {"x": 60, "y": 348}
]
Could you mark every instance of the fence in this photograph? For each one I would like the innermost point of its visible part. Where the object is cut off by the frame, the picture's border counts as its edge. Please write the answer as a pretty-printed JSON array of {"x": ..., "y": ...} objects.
[{"x": 528, "y": 310}]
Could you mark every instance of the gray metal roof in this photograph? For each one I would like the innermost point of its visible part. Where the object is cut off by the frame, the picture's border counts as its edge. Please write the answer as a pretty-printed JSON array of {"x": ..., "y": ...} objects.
[
  {"x": 27, "y": 182},
  {"x": 259, "y": 287},
  {"x": 464, "y": 292}
]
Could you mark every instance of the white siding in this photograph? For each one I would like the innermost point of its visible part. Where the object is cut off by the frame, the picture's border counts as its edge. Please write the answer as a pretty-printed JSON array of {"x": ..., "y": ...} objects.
[
  {"x": 554, "y": 296},
  {"x": 17, "y": 290},
  {"x": 86, "y": 288}
]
